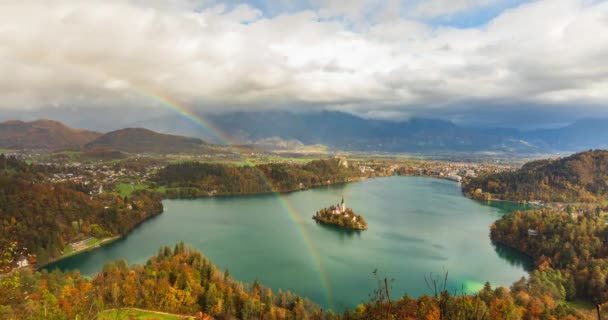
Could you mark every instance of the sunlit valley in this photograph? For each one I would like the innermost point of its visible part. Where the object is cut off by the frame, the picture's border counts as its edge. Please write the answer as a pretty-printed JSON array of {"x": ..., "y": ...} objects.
[{"x": 304, "y": 160}]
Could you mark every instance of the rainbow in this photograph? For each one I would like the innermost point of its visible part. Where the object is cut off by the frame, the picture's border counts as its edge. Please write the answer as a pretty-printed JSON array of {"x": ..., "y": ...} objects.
[{"x": 184, "y": 111}]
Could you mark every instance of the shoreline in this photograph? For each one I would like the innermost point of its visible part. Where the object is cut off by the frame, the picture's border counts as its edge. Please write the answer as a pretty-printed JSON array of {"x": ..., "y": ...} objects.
[
  {"x": 325, "y": 225},
  {"x": 107, "y": 241},
  {"x": 244, "y": 194},
  {"x": 466, "y": 195},
  {"x": 502, "y": 243},
  {"x": 324, "y": 222},
  {"x": 102, "y": 242},
  {"x": 354, "y": 180},
  {"x": 110, "y": 240}
]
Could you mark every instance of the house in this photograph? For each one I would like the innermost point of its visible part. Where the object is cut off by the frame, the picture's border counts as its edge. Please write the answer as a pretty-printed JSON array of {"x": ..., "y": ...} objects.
[
  {"x": 22, "y": 262},
  {"x": 532, "y": 232}
]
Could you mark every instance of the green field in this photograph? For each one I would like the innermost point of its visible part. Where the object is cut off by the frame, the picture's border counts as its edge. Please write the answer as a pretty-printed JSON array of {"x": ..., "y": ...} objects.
[
  {"x": 127, "y": 314},
  {"x": 125, "y": 189},
  {"x": 160, "y": 189},
  {"x": 92, "y": 242},
  {"x": 68, "y": 250},
  {"x": 72, "y": 155}
]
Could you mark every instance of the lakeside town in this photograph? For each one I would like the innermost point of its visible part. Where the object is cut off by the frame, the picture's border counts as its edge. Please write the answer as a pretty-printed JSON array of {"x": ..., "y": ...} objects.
[{"x": 134, "y": 172}]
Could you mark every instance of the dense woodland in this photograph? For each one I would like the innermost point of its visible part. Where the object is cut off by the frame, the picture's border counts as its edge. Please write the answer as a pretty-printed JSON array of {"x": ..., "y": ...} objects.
[
  {"x": 38, "y": 219},
  {"x": 195, "y": 179},
  {"x": 576, "y": 247},
  {"x": 539, "y": 297},
  {"x": 182, "y": 281},
  {"x": 571, "y": 243},
  {"x": 582, "y": 177},
  {"x": 179, "y": 280}
]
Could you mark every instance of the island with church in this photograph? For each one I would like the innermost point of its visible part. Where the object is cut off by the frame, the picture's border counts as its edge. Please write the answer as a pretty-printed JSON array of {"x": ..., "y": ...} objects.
[{"x": 341, "y": 216}]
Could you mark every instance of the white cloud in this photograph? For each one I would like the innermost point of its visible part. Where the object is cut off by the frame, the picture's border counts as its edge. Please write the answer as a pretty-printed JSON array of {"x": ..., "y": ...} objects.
[
  {"x": 116, "y": 53},
  {"x": 116, "y": 84},
  {"x": 435, "y": 8}
]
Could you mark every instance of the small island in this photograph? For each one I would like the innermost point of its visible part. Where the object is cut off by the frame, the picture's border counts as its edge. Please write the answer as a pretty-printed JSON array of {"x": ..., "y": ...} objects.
[{"x": 341, "y": 216}]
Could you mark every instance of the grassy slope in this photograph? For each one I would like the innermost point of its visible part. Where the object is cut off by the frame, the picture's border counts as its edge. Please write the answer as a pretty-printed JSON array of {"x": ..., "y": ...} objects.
[
  {"x": 125, "y": 189},
  {"x": 127, "y": 314}
]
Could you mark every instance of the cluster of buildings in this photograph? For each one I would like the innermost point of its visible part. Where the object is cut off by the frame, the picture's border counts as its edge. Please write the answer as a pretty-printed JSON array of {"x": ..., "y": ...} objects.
[
  {"x": 455, "y": 171},
  {"x": 340, "y": 209},
  {"x": 95, "y": 176}
]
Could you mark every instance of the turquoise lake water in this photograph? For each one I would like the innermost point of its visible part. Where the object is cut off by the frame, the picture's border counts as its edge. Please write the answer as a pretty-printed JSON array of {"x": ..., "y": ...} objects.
[{"x": 417, "y": 225}]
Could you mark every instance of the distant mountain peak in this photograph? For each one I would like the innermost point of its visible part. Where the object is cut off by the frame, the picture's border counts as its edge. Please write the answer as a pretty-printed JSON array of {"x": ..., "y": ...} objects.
[
  {"x": 42, "y": 134},
  {"x": 142, "y": 140},
  {"x": 12, "y": 122}
]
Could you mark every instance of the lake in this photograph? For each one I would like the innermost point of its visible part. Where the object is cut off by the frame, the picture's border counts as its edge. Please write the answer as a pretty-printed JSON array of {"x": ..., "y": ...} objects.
[{"x": 417, "y": 226}]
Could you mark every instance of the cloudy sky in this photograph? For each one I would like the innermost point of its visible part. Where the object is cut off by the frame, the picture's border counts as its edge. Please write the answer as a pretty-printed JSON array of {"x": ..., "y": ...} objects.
[{"x": 503, "y": 62}]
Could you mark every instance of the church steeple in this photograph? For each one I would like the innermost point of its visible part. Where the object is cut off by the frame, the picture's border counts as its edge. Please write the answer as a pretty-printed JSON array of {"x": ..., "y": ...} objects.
[{"x": 343, "y": 205}]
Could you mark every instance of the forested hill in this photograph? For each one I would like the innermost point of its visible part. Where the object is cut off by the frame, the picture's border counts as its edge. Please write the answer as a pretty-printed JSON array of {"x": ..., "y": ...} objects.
[
  {"x": 582, "y": 177},
  {"x": 192, "y": 179},
  {"x": 182, "y": 281},
  {"x": 38, "y": 219},
  {"x": 54, "y": 135},
  {"x": 574, "y": 248},
  {"x": 138, "y": 140},
  {"x": 42, "y": 134},
  {"x": 179, "y": 281}
]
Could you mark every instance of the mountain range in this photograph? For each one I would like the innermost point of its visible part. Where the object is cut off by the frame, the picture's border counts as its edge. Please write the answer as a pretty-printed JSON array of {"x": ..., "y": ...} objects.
[
  {"x": 42, "y": 134},
  {"x": 337, "y": 130},
  {"x": 343, "y": 131},
  {"x": 139, "y": 140},
  {"x": 54, "y": 135}
]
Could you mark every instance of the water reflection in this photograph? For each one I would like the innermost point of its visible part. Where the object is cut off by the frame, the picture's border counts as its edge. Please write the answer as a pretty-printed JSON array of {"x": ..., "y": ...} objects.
[
  {"x": 514, "y": 257},
  {"x": 506, "y": 207},
  {"x": 341, "y": 232}
]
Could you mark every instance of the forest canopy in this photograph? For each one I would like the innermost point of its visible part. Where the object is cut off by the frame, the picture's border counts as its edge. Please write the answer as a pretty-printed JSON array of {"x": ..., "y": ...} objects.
[
  {"x": 38, "y": 219},
  {"x": 574, "y": 246},
  {"x": 182, "y": 281},
  {"x": 195, "y": 179},
  {"x": 582, "y": 177}
]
